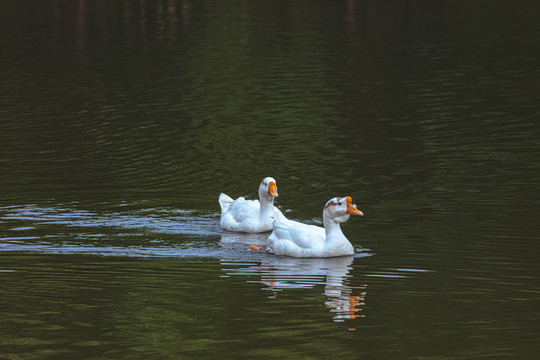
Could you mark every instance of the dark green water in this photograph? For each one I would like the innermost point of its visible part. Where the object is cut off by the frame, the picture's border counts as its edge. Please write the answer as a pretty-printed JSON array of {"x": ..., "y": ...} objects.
[{"x": 122, "y": 121}]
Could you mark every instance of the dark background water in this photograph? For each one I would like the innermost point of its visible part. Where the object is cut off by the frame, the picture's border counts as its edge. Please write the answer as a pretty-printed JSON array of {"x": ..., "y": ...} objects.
[{"x": 122, "y": 121}]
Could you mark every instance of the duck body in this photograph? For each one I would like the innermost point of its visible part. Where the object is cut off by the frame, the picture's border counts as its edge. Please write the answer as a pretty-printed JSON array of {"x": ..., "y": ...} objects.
[
  {"x": 292, "y": 238},
  {"x": 251, "y": 216}
]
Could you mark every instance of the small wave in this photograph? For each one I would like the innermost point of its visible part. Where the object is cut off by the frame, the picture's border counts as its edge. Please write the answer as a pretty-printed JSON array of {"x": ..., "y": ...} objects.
[
  {"x": 159, "y": 220},
  {"x": 149, "y": 232}
]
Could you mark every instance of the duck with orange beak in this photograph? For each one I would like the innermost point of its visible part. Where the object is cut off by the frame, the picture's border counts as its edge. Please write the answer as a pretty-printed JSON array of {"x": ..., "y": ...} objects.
[
  {"x": 251, "y": 216},
  {"x": 301, "y": 240}
]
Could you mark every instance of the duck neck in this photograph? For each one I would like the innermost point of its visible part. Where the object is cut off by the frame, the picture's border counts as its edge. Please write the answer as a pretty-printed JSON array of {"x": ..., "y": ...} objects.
[
  {"x": 267, "y": 204},
  {"x": 331, "y": 227}
]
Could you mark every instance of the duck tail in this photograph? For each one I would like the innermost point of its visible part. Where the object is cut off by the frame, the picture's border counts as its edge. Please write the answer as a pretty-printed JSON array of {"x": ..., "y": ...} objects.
[{"x": 224, "y": 202}]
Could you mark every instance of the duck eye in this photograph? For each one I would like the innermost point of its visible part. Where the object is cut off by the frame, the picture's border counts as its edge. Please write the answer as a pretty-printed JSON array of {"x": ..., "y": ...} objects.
[{"x": 339, "y": 203}]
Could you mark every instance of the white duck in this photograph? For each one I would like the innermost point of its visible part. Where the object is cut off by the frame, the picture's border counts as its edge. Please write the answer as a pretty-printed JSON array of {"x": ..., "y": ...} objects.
[
  {"x": 251, "y": 216},
  {"x": 301, "y": 240}
]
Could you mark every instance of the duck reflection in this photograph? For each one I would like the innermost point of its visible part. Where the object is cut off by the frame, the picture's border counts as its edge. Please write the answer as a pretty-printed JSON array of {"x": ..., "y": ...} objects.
[{"x": 279, "y": 273}]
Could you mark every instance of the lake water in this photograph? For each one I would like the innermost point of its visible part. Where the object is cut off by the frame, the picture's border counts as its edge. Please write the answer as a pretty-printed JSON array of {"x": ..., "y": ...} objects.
[{"x": 121, "y": 122}]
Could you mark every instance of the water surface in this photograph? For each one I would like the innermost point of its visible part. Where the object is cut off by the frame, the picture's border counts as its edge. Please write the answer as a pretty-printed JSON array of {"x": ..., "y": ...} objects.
[{"x": 121, "y": 122}]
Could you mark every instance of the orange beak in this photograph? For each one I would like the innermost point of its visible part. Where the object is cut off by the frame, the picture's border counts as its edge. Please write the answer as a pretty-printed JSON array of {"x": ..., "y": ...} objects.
[
  {"x": 351, "y": 209},
  {"x": 272, "y": 190}
]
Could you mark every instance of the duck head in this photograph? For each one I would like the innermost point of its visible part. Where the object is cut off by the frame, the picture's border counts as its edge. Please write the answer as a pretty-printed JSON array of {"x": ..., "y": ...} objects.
[
  {"x": 341, "y": 208},
  {"x": 268, "y": 188}
]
